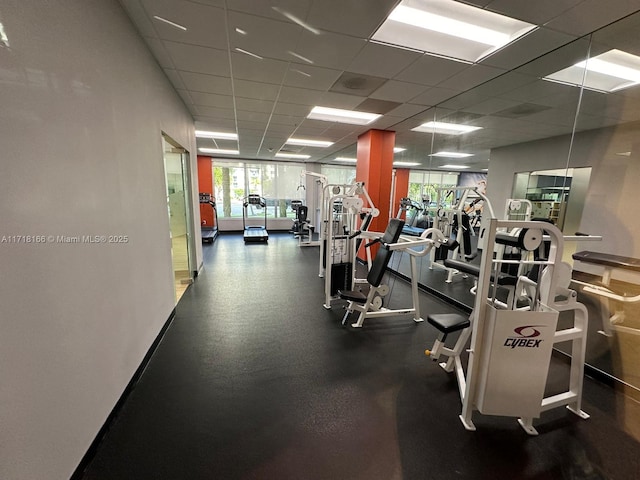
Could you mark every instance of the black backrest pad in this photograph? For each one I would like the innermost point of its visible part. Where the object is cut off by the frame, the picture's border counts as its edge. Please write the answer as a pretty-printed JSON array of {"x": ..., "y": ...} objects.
[{"x": 381, "y": 260}]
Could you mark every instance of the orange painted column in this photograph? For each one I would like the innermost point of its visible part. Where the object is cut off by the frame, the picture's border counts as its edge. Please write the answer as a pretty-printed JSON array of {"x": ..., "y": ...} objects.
[
  {"x": 205, "y": 184},
  {"x": 374, "y": 168},
  {"x": 402, "y": 189}
]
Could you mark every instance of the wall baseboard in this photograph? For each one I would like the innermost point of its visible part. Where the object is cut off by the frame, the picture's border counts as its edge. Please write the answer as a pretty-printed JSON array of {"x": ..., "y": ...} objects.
[{"x": 93, "y": 448}]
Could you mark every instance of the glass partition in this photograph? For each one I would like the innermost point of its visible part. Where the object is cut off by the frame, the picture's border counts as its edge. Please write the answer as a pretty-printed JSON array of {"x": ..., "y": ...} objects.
[{"x": 568, "y": 126}]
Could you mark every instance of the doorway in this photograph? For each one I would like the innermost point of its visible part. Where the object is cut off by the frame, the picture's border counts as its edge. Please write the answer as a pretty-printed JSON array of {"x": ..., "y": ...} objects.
[{"x": 176, "y": 167}]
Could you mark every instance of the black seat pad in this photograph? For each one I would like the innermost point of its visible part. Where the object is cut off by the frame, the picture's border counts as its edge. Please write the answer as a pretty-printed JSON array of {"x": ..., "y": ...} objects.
[
  {"x": 448, "y": 322},
  {"x": 352, "y": 295},
  {"x": 471, "y": 269}
]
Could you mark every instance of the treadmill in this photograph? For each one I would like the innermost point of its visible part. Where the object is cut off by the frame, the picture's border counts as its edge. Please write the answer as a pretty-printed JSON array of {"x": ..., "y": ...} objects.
[
  {"x": 209, "y": 232},
  {"x": 254, "y": 233}
]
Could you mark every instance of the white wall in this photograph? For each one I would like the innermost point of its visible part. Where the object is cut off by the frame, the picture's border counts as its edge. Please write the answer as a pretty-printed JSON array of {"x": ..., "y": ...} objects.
[
  {"x": 612, "y": 193},
  {"x": 82, "y": 108}
]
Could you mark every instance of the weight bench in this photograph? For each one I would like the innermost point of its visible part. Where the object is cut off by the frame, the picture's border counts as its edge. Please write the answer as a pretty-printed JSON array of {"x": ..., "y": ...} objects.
[{"x": 605, "y": 291}]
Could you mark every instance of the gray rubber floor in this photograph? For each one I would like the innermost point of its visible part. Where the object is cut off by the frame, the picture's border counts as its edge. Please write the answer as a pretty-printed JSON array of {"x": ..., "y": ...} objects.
[{"x": 254, "y": 379}]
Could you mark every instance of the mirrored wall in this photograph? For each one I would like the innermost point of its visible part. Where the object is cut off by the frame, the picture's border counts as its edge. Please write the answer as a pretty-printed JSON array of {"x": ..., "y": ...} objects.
[{"x": 563, "y": 133}]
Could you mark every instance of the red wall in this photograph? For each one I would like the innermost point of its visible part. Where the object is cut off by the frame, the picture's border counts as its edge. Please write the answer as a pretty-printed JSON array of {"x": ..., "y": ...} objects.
[{"x": 205, "y": 182}]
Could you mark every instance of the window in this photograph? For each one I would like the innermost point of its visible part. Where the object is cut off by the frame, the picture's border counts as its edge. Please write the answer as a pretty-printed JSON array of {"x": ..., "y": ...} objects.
[
  {"x": 425, "y": 185},
  {"x": 337, "y": 175},
  {"x": 277, "y": 183}
]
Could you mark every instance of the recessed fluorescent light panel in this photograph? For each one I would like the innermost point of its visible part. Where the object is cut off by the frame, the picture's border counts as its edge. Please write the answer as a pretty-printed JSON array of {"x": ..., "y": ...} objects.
[
  {"x": 346, "y": 159},
  {"x": 451, "y": 154},
  {"x": 449, "y": 28},
  {"x": 452, "y": 167},
  {"x": 398, "y": 149},
  {"x": 216, "y": 135},
  {"x": 445, "y": 128},
  {"x": 169, "y": 22},
  {"x": 292, "y": 155},
  {"x": 248, "y": 53},
  {"x": 308, "y": 143},
  {"x": 405, "y": 164},
  {"x": 342, "y": 116},
  {"x": 218, "y": 151},
  {"x": 608, "y": 72}
]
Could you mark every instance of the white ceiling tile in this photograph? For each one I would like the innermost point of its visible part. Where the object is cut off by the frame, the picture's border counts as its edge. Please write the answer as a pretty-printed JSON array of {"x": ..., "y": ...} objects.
[
  {"x": 205, "y": 24},
  {"x": 491, "y": 105},
  {"x": 292, "y": 109},
  {"x": 257, "y": 90},
  {"x": 406, "y": 110},
  {"x": 249, "y": 115},
  {"x": 212, "y": 100},
  {"x": 434, "y": 96},
  {"x": 249, "y": 68},
  {"x": 355, "y": 17},
  {"x": 264, "y": 37},
  {"x": 297, "y": 8},
  {"x": 319, "y": 78},
  {"x": 214, "y": 124},
  {"x": 590, "y": 15},
  {"x": 253, "y": 105},
  {"x": 396, "y": 91},
  {"x": 531, "y": 46},
  {"x": 200, "y": 82},
  {"x": 328, "y": 50},
  {"x": 192, "y": 58},
  {"x": 340, "y": 100},
  {"x": 215, "y": 112},
  {"x": 300, "y": 96},
  {"x": 538, "y": 12},
  {"x": 430, "y": 70},
  {"x": 395, "y": 60},
  {"x": 472, "y": 77}
]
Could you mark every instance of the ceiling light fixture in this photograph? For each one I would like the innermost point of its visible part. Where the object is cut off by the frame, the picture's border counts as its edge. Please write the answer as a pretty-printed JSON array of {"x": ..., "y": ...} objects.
[
  {"x": 342, "y": 116},
  {"x": 292, "y": 155},
  {"x": 301, "y": 72},
  {"x": 218, "y": 151},
  {"x": 445, "y": 128},
  {"x": 297, "y": 21},
  {"x": 454, "y": 166},
  {"x": 173, "y": 24},
  {"x": 405, "y": 164},
  {"x": 449, "y": 28},
  {"x": 346, "y": 159},
  {"x": 608, "y": 72},
  {"x": 398, "y": 149},
  {"x": 304, "y": 59},
  {"x": 451, "y": 154},
  {"x": 308, "y": 143},
  {"x": 216, "y": 135},
  {"x": 240, "y": 31},
  {"x": 248, "y": 53}
]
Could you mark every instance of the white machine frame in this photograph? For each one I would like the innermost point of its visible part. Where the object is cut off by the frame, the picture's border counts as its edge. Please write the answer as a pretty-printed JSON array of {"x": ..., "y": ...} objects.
[
  {"x": 415, "y": 247},
  {"x": 353, "y": 200},
  {"x": 474, "y": 385}
]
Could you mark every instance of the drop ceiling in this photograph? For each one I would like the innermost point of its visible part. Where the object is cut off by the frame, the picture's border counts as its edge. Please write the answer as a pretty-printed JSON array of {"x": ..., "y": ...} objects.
[{"x": 258, "y": 67}]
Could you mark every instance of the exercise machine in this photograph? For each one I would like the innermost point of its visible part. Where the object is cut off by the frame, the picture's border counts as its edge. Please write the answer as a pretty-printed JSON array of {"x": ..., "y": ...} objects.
[
  {"x": 510, "y": 350},
  {"x": 454, "y": 223},
  {"x": 369, "y": 305},
  {"x": 209, "y": 232},
  {"x": 347, "y": 211},
  {"x": 608, "y": 293},
  {"x": 302, "y": 228},
  {"x": 254, "y": 233}
]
